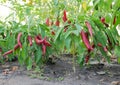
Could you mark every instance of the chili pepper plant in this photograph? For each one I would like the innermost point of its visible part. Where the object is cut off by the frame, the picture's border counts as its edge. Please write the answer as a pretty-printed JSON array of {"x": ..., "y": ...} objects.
[{"x": 40, "y": 28}]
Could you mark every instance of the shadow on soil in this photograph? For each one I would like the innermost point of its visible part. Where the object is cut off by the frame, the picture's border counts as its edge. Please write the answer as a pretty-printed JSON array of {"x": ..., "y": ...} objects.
[{"x": 61, "y": 73}]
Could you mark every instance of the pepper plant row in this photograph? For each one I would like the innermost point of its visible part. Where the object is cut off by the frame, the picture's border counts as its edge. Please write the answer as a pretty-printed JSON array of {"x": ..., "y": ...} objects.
[{"x": 83, "y": 32}]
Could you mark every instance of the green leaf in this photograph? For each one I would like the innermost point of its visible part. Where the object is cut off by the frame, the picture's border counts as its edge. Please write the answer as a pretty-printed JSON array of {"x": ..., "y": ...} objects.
[
  {"x": 29, "y": 63},
  {"x": 24, "y": 51},
  {"x": 104, "y": 54},
  {"x": 68, "y": 43},
  {"x": 78, "y": 27},
  {"x": 117, "y": 52},
  {"x": 80, "y": 60},
  {"x": 67, "y": 34},
  {"x": 58, "y": 34},
  {"x": 101, "y": 38},
  {"x": 38, "y": 55}
]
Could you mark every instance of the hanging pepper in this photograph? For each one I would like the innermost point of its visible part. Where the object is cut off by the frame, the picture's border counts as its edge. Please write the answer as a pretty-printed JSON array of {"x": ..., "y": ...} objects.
[
  {"x": 16, "y": 47},
  {"x": 8, "y": 52},
  {"x": 89, "y": 27},
  {"x": 43, "y": 49},
  {"x": 57, "y": 23},
  {"x": 102, "y": 20},
  {"x": 47, "y": 22},
  {"x": 87, "y": 58},
  {"x": 105, "y": 49},
  {"x": 43, "y": 42},
  {"x": 64, "y": 16},
  {"x": 18, "y": 39},
  {"x": 114, "y": 21},
  {"x": 30, "y": 40},
  {"x": 52, "y": 32},
  {"x": 38, "y": 40},
  {"x": 85, "y": 40},
  {"x": 99, "y": 44}
]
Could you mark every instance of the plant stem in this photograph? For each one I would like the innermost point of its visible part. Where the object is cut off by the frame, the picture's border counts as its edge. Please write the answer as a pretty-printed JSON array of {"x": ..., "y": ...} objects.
[
  {"x": 74, "y": 69},
  {"x": 73, "y": 52}
]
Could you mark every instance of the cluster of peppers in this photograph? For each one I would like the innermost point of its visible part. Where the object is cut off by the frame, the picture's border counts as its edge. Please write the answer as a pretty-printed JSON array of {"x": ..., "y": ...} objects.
[
  {"x": 57, "y": 22},
  {"x": 38, "y": 39},
  {"x": 85, "y": 38}
]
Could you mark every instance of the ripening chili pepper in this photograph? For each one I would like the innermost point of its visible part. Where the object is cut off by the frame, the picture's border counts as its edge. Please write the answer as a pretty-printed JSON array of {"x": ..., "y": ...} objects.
[
  {"x": 114, "y": 21},
  {"x": 57, "y": 23},
  {"x": 87, "y": 58},
  {"x": 30, "y": 40},
  {"x": 16, "y": 47},
  {"x": 85, "y": 40},
  {"x": 64, "y": 16},
  {"x": 43, "y": 49},
  {"x": 89, "y": 27},
  {"x": 105, "y": 49},
  {"x": 18, "y": 39},
  {"x": 47, "y": 22},
  {"x": 99, "y": 44},
  {"x": 102, "y": 19},
  {"x": 39, "y": 36},
  {"x": 52, "y": 32},
  {"x": 8, "y": 52},
  {"x": 46, "y": 43},
  {"x": 38, "y": 40}
]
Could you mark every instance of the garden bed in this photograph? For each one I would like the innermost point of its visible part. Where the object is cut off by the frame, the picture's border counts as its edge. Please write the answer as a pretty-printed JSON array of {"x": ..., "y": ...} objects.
[{"x": 61, "y": 73}]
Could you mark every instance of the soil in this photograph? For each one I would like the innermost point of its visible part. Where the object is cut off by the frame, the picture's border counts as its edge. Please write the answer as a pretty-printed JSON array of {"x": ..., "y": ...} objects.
[{"x": 61, "y": 73}]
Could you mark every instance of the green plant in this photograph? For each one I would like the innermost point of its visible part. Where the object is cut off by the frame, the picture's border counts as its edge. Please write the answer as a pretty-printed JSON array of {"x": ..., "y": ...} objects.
[{"x": 42, "y": 28}]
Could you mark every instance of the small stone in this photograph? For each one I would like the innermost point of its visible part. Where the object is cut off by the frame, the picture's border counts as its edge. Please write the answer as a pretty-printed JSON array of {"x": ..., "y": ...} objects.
[
  {"x": 101, "y": 73},
  {"x": 115, "y": 82}
]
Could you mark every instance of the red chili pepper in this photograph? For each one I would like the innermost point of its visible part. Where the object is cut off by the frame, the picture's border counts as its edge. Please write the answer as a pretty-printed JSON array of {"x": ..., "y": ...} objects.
[
  {"x": 39, "y": 36},
  {"x": 43, "y": 49},
  {"x": 16, "y": 47},
  {"x": 105, "y": 49},
  {"x": 57, "y": 23},
  {"x": 18, "y": 39},
  {"x": 46, "y": 43},
  {"x": 64, "y": 16},
  {"x": 102, "y": 19},
  {"x": 30, "y": 40},
  {"x": 38, "y": 40},
  {"x": 85, "y": 40},
  {"x": 52, "y": 32},
  {"x": 89, "y": 27},
  {"x": 8, "y": 52},
  {"x": 114, "y": 21},
  {"x": 99, "y": 44},
  {"x": 87, "y": 58},
  {"x": 47, "y": 22}
]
